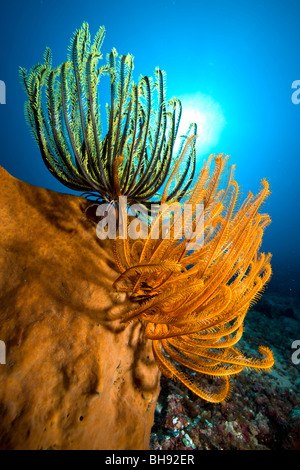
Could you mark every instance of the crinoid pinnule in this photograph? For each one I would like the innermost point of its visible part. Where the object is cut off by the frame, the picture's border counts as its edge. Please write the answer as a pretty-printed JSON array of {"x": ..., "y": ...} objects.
[
  {"x": 194, "y": 302},
  {"x": 136, "y": 153}
]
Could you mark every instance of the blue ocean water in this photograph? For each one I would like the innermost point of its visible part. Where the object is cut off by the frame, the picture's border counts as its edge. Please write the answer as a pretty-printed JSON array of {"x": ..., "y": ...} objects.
[{"x": 233, "y": 63}]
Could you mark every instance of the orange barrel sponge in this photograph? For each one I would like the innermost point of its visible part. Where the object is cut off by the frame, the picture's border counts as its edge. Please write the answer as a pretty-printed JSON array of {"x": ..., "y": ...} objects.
[{"x": 74, "y": 376}]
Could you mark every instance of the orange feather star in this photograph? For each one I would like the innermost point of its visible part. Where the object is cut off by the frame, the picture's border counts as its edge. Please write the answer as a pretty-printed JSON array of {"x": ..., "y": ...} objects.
[{"x": 194, "y": 303}]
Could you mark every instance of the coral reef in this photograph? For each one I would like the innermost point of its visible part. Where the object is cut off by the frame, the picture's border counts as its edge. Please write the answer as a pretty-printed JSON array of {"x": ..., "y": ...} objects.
[
  {"x": 194, "y": 304},
  {"x": 74, "y": 377},
  {"x": 84, "y": 341},
  {"x": 263, "y": 412}
]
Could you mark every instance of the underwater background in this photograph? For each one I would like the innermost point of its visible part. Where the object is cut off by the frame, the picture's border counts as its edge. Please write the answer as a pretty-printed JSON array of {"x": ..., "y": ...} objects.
[{"x": 233, "y": 64}]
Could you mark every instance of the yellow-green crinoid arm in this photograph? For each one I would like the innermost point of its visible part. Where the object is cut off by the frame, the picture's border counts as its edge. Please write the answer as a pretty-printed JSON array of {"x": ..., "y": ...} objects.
[{"x": 136, "y": 154}]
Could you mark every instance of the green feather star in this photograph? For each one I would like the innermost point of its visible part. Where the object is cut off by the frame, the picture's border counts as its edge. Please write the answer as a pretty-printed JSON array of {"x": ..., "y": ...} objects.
[{"x": 136, "y": 155}]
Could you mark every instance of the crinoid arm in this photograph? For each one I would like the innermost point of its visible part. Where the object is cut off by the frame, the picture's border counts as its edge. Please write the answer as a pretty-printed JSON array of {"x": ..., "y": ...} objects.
[
  {"x": 192, "y": 292},
  {"x": 194, "y": 303},
  {"x": 135, "y": 155}
]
